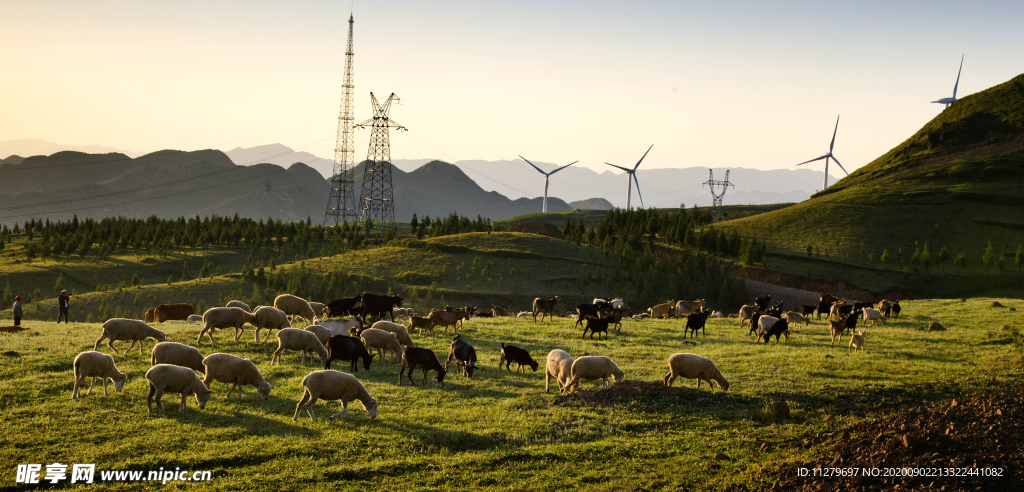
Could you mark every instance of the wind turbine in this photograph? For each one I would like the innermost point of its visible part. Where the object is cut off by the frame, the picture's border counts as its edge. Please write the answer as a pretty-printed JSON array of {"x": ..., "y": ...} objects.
[
  {"x": 829, "y": 156},
  {"x": 631, "y": 173},
  {"x": 544, "y": 208},
  {"x": 950, "y": 100}
]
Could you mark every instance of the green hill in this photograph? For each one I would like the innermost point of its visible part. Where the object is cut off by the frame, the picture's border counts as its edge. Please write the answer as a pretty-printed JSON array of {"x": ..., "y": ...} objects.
[{"x": 956, "y": 183}]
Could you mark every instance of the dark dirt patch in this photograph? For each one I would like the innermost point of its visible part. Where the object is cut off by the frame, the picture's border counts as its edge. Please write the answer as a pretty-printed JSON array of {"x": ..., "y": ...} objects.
[
  {"x": 976, "y": 432},
  {"x": 627, "y": 390},
  {"x": 12, "y": 329}
]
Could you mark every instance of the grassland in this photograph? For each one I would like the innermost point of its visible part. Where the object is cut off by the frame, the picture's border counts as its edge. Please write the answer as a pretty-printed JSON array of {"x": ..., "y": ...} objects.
[
  {"x": 592, "y": 218},
  {"x": 500, "y": 430}
]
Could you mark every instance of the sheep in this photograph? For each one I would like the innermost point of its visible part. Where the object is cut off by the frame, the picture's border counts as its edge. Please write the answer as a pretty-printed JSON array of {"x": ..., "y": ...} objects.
[
  {"x": 463, "y": 354},
  {"x": 795, "y": 317},
  {"x": 380, "y": 340},
  {"x": 333, "y": 385},
  {"x": 293, "y": 305},
  {"x": 873, "y": 315},
  {"x": 420, "y": 323},
  {"x": 116, "y": 329},
  {"x": 692, "y": 366},
  {"x": 179, "y": 355},
  {"x": 322, "y": 333},
  {"x": 511, "y": 353},
  {"x": 524, "y": 314},
  {"x": 837, "y": 327},
  {"x": 240, "y": 305},
  {"x": 399, "y": 330},
  {"x": 227, "y": 368},
  {"x": 341, "y": 327},
  {"x": 590, "y": 368},
  {"x": 96, "y": 365},
  {"x": 717, "y": 314},
  {"x": 175, "y": 379},
  {"x": 421, "y": 358},
  {"x": 195, "y": 318},
  {"x": 318, "y": 309},
  {"x": 856, "y": 342},
  {"x": 559, "y": 366},
  {"x": 271, "y": 319},
  {"x": 225, "y": 317},
  {"x": 296, "y": 339}
]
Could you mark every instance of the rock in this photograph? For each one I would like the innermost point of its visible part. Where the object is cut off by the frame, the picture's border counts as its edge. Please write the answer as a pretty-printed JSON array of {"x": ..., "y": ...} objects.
[
  {"x": 779, "y": 409},
  {"x": 720, "y": 456},
  {"x": 935, "y": 326},
  {"x": 910, "y": 440},
  {"x": 996, "y": 304},
  {"x": 1013, "y": 310}
]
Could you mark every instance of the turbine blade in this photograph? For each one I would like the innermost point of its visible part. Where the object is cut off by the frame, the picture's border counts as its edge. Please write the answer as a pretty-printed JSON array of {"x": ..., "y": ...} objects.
[
  {"x": 563, "y": 167},
  {"x": 535, "y": 167},
  {"x": 840, "y": 165},
  {"x": 812, "y": 160},
  {"x": 958, "y": 76},
  {"x": 620, "y": 167},
  {"x": 638, "y": 188},
  {"x": 641, "y": 160},
  {"x": 833, "y": 144}
]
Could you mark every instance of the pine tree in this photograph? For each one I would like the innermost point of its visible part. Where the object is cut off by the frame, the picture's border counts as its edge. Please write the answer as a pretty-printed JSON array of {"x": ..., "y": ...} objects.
[
  {"x": 989, "y": 257},
  {"x": 942, "y": 258},
  {"x": 1019, "y": 258},
  {"x": 885, "y": 259},
  {"x": 960, "y": 261}
]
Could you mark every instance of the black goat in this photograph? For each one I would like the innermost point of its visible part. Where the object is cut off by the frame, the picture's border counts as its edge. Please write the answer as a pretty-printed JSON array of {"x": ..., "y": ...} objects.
[
  {"x": 463, "y": 354},
  {"x": 377, "y": 305},
  {"x": 851, "y": 319},
  {"x": 341, "y": 307},
  {"x": 511, "y": 353},
  {"x": 862, "y": 305},
  {"x": 697, "y": 321},
  {"x": 808, "y": 310},
  {"x": 763, "y": 302},
  {"x": 341, "y": 347},
  {"x": 420, "y": 358},
  {"x": 596, "y": 326},
  {"x": 896, "y": 309},
  {"x": 590, "y": 311},
  {"x": 781, "y": 327}
]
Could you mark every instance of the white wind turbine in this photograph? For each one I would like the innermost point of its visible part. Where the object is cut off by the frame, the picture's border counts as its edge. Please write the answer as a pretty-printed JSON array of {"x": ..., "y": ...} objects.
[
  {"x": 950, "y": 100},
  {"x": 829, "y": 156},
  {"x": 631, "y": 178},
  {"x": 544, "y": 208}
]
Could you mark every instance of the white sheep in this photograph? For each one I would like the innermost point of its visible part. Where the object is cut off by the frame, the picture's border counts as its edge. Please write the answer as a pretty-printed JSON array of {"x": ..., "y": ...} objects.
[
  {"x": 559, "y": 366},
  {"x": 873, "y": 315},
  {"x": 340, "y": 327},
  {"x": 692, "y": 366},
  {"x": 380, "y": 340},
  {"x": 591, "y": 368},
  {"x": 857, "y": 342},
  {"x": 271, "y": 319},
  {"x": 225, "y": 317},
  {"x": 318, "y": 309},
  {"x": 322, "y": 333},
  {"x": 297, "y": 306},
  {"x": 195, "y": 318},
  {"x": 296, "y": 339},
  {"x": 178, "y": 354},
  {"x": 169, "y": 378},
  {"x": 227, "y": 368},
  {"x": 96, "y": 365},
  {"x": 717, "y": 314},
  {"x": 793, "y": 317},
  {"x": 333, "y": 385},
  {"x": 400, "y": 331},
  {"x": 524, "y": 314},
  {"x": 239, "y": 304},
  {"x": 117, "y": 329}
]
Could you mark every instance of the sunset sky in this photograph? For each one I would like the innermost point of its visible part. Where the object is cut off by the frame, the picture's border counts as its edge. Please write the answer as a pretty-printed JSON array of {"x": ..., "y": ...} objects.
[{"x": 745, "y": 84}]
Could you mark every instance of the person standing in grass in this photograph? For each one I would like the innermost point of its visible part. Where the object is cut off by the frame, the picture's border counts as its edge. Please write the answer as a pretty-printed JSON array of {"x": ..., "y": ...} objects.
[
  {"x": 63, "y": 303},
  {"x": 17, "y": 310}
]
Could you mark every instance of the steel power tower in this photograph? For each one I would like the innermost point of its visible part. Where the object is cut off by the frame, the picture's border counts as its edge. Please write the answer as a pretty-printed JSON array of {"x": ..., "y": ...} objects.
[
  {"x": 716, "y": 198},
  {"x": 376, "y": 200},
  {"x": 341, "y": 204}
]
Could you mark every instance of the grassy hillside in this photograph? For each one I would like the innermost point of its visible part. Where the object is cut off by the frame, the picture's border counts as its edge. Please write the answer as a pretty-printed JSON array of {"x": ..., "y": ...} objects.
[
  {"x": 956, "y": 183},
  {"x": 499, "y": 429},
  {"x": 592, "y": 218}
]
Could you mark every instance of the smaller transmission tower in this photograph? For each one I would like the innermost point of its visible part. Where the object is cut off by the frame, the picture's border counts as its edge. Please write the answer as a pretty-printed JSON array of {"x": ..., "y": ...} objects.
[
  {"x": 376, "y": 201},
  {"x": 716, "y": 198}
]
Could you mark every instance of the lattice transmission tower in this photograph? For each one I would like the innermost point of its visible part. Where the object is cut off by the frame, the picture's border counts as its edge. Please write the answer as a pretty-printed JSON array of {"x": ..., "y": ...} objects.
[
  {"x": 716, "y": 198},
  {"x": 377, "y": 203},
  {"x": 341, "y": 204}
]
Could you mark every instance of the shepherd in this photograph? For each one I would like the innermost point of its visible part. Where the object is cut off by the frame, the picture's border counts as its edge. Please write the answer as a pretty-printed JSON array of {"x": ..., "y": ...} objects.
[
  {"x": 17, "y": 310},
  {"x": 63, "y": 303}
]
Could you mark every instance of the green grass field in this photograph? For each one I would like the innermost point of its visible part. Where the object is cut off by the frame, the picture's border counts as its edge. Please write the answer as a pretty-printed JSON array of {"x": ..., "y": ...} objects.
[{"x": 500, "y": 430}]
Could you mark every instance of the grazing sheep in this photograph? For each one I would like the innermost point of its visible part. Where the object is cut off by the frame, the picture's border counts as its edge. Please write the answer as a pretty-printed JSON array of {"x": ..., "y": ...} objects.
[
  {"x": 641, "y": 316},
  {"x": 271, "y": 319},
  {"x": 227, "y": 368},
  {"x": 421, "y": 358},
  {"x": 342, "y": 327},
  {"x": 318, "y": 309},
  {"x": 225, "y": 317},
  {"x": 380, "y": 340},
  {"x": 717, "y": 314},
  {"x": 296, "y": 339},
  {"x": 398, "y": 330},
  {"x": 239, "y": 304},
  {"x": 116, "y": 329},
  {"x": 559, "y": 366},
  {"x": 333, "y": 385},
  {"x": 511, "y": 353},
  {"x": 342, "y": 347},
  {"x": 692, "y": 366},
  {"x": 464, "y": 356},
  {"x": 746, "y": 312},
  {"x": 837, "y": 327},
  {"x": 856, "y": 342},
  {"x": 322, "y": 333},
  {"x": 178, "y": 354},
  {"x": 420, "y": 323},
  {"x": 795, "y": 317},
  {"x": 590, "y": 368},
  {"x": 294, "y": 305},
  {"x": 873, "y": 315},
  {"x": 195, "y": 318},
  {"x": 169, "y": 378},
  {"x": 96, "y": 365}
]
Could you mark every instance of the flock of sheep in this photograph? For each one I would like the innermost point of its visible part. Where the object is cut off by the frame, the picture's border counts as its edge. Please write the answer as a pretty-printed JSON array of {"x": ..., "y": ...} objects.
[{"x": 175, "y": 365}]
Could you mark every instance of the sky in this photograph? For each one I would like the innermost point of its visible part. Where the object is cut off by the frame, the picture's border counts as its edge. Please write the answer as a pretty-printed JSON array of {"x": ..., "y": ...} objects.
[{"x": 716, "y": 84}]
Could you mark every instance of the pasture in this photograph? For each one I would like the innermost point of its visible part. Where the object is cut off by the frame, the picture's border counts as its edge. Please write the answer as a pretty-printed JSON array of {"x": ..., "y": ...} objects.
[{"x": 500, "y": 430}]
